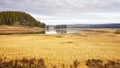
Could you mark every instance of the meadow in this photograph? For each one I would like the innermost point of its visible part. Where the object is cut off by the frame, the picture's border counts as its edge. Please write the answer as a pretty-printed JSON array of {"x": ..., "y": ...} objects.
[{"x": 64, "y": 50}]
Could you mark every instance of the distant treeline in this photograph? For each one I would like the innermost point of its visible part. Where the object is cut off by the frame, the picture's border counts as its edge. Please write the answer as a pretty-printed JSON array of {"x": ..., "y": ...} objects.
[
  {"x": 19, "y": 18},
  {"x": 112, "y": 25},
  {"x": 60, "y": 26}
]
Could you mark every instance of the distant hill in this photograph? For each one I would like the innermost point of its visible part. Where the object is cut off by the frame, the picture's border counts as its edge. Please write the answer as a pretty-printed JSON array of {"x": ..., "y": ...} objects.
[
  {"x": 115, "y": 25},
  {"x": 19, "y": 18}
]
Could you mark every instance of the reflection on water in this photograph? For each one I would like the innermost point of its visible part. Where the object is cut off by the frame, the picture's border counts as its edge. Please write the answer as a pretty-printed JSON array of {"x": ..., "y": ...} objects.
[{"x": 60, "y": 31}]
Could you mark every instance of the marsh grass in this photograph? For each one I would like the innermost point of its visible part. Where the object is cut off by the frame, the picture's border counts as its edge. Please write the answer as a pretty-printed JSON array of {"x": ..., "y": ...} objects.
[
  {"x": 40, "y": 63},
  {"x": 22, "y": 63},
  {"x": 60, "y": 52},
  {"x": 97, "y": 63},
  {"x": 10, "y": 30},
  {"x": 117, "y": 31}
]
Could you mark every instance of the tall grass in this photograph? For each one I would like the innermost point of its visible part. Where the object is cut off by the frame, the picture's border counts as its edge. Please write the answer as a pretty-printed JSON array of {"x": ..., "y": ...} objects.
[
  {"x": 40, "y": 63},
  {"x": 60, "y": 51},
  {"x": 22, "y": 63},
  {"x": 97, "y": 63},
  {"x": 117, "y": 31}
]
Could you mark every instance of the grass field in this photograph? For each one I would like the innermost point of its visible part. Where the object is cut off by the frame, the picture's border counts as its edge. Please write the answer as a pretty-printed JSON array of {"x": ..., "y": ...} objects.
[
  {"x": 4, "y": 30},
  {"x": 61, "y": 49}
]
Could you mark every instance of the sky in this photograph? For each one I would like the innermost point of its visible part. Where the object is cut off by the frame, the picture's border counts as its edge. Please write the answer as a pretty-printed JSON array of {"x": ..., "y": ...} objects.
[{"x": 67, "y": 11}]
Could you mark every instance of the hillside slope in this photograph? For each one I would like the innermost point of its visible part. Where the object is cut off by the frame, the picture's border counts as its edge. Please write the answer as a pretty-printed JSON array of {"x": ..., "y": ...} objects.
[{"x": 19, "y": 18}]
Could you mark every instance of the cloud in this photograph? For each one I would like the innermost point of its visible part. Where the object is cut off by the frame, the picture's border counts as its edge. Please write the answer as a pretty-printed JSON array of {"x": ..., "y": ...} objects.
[
  {"x": 63, "y": 10},
  {"x": 84, "y": 18}
]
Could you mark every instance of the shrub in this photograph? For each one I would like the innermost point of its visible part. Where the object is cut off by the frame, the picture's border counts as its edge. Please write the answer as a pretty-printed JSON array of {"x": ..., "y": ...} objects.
[
  {"x": 117, "y": 32},
  {"x": 22, "y": 63},
  {"x": 96, "y": 63}
]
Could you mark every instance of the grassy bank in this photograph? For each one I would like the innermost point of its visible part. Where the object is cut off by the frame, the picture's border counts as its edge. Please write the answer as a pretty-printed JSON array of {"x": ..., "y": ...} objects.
[
  {"x": 19, "y": 30},
  {"x": 63, "y": 48}
]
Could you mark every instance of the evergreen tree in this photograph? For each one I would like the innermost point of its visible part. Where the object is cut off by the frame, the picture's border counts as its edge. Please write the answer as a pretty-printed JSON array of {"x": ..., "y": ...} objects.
[{"x": 19, "y": 18}]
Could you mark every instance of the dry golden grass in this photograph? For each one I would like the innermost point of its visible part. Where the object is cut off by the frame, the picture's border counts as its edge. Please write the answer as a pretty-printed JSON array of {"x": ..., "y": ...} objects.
[
  {"x": 65, "y": 48},
  {"x": 18, "y": 29}
]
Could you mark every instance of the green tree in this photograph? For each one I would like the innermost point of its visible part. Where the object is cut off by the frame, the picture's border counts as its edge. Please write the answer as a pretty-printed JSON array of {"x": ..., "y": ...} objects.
[{"x": 19, "y": 18}]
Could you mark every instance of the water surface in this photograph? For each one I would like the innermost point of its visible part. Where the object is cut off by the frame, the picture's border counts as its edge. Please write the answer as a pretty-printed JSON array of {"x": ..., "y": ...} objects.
[{"x": 62, "y": 31}]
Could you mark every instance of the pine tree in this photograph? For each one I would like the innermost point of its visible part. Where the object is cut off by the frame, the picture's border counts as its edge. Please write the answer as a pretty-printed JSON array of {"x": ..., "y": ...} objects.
[{"x": 19, "y": 18}]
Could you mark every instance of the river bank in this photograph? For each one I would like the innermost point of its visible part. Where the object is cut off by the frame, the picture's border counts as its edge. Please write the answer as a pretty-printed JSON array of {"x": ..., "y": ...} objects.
[{"x": 4, "y": 30}]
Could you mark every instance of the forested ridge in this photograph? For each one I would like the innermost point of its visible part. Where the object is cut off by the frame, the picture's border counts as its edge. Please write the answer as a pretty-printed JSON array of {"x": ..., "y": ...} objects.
[{"x": 19, "y": 18}]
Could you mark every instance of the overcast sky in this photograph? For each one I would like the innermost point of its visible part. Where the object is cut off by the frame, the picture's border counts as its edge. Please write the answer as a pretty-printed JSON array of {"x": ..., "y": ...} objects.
[{"x": 67, "y": 11}]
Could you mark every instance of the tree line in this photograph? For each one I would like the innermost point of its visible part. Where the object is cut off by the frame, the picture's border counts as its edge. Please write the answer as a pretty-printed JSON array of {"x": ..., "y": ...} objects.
[
  {"x": 19, "y": 18},
  {"x": 60, "y": 26}
]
